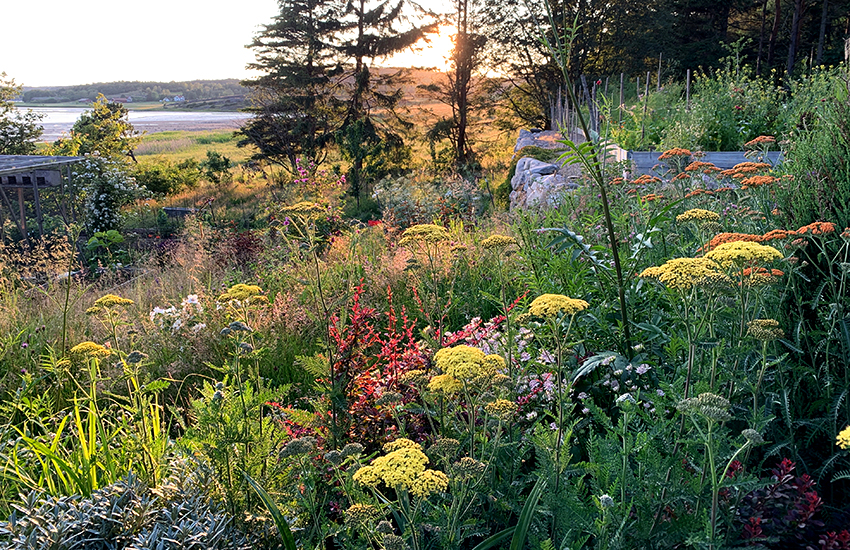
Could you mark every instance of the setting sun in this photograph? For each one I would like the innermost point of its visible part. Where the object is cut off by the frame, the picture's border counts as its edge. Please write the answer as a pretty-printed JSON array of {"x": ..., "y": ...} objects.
[{"x": 431, "y": 52}]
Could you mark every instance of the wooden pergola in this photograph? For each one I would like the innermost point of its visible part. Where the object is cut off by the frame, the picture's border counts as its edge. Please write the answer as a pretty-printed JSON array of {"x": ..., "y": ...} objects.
[{"x": 20, "y": 173}]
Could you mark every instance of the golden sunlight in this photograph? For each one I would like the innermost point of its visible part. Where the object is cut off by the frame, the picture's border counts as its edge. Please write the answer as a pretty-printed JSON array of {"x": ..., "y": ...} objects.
[{"x": 431, "y": 53}]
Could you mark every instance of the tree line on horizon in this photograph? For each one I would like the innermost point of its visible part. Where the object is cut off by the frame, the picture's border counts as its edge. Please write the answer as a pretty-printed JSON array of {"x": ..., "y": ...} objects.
[{"x": 139, "y": 90}]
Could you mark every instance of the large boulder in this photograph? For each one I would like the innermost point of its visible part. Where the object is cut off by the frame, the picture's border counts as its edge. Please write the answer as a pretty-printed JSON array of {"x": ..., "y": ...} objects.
[{"x": 539, "y": 184}]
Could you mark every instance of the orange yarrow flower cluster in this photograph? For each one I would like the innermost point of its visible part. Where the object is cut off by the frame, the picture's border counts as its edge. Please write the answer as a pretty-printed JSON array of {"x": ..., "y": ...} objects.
[
  {"x": 815, "y": 228},
  {"x": 652, "y": 197},
  {"x": 700, "y": 166},
  {"x": 757, "y": 181},
  {"x": 645, "y": 179},
  {"x": 675, "y": 152},
  {"x": 745, "y": 169},
  {"x": 760, "y": 140},
  {"x": 698, "y": 192}
]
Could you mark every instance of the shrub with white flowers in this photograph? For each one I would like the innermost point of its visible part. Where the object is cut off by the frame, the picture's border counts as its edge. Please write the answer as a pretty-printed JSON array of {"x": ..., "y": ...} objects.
[{"x": 103, "y": 187}]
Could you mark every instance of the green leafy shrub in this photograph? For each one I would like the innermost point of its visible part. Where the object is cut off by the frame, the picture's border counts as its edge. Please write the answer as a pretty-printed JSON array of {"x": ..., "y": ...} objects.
[{"x": 165, "y": 177}]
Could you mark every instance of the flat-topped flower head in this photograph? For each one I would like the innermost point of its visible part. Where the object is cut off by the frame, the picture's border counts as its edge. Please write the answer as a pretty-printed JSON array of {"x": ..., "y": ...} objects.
[
  {"x": 843, "y": 439},
  {"x": 502, "y": 409},
  {"x": 304, "y": 209},
  {"x": 817, "y": 228},
  {"x": 742, "y": 253},
  {"x": 240, "y": 292},
  {"x": 552, "y": 305},
  {"x": 698, "y": 215},
  {"x": 709, "y": 405},
  {"x": 687, "y": 273},
  {"x": 757, "y": 181},
  {"x": 89, "y": 350},
  {"x": 429, "y": 481},
  {"x": 498, "y": 242},
  {"x": 112, "y": 300},
  {"x": 425, "y": 232},
  {"x": 462, "y": 362},
  {"x": 675, "y": 152},
  {"x": 759, "y": 141},
  {"x": 765, "y": 330},
  {"x": 445, "y": 383}
]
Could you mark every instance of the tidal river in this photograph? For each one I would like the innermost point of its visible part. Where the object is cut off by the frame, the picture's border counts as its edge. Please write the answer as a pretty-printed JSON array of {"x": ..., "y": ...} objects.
[{"x": 58, "y": 120}]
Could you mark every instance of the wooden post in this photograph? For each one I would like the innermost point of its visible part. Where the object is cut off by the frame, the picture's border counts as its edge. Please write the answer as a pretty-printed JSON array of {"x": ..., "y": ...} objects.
[
  {"x": 638, "y": 88},
  {"x": 645, "y": 101},
  {"x": 12, "y": 213},
  {"x": 658, "y": 77},
  {"x": 38, "y": 217},
  {"x": 620, "y": 105},
  {"x": 22, "y": 209},
  {"x": 688, "y": 91}
]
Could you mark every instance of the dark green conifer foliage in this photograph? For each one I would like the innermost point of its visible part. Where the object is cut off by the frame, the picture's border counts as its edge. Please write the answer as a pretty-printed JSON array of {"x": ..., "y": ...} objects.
[
  {"x": 373, "y": 30},
  {"x": 293, "y": 100}
]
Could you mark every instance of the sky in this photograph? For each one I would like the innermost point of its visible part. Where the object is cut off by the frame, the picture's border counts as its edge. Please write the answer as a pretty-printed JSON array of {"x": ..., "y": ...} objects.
[{"x": 67, "y": 42}]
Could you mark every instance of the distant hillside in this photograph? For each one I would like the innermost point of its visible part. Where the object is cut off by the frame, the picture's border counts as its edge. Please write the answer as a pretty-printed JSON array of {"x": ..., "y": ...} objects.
[{"x": 192, "y": 90}]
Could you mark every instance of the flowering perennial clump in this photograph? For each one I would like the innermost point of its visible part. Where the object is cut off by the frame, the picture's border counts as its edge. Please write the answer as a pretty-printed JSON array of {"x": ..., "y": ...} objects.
[
  {"x": 426, "y": 232},
  {"x": 445, "y": 383},
  {"x": 765, "y": 330},
  {"x": 497, "y": 242},
  {"x": 552, "y": 305},
  {"x": 843, "y": 439},
  {"x": 700, "y": 166},
  {"x": 739, "y": 253},
  {"x": 240, "y": 292},
  {"x": 89, "y": 350},
  {"x": 759, "y": 141},
  {"x": 709, "y": 405},
  {"x": 403, "y": 467},
  {"x": 697, "y": 214},
  {"x": 687, "y": 273}
]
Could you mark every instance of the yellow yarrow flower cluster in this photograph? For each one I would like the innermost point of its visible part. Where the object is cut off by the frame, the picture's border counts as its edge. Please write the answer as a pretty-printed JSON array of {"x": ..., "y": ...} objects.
[
  {"x": 843, "y": 439},
  {"x": 241, "y": 292},
  {"x": 445, "y": 383},
  {"x": 501, "y": 409},
  {"x": 467, "y": 363},
  {"x": 739, "y": 253},
  {"x": 687, "y": 273},
  {"x": 765, "y": 330},
  {"x": 550, "y": 305},
  {"x": 698, "y": 215},
  {"x": 107, "y": 301},
  {"x": 430, "y": 481},
  {"x": 304, "y": 209},
  {"x": 497, "y": 242},
  {"x": 425, "y": 232},
  {"x": 89, "y": 350},
  {"x": 403, "y": 467}
]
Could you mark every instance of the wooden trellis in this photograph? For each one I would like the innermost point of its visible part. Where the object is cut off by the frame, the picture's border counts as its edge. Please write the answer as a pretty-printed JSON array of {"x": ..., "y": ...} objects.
[{"x": 20, "y": 174}]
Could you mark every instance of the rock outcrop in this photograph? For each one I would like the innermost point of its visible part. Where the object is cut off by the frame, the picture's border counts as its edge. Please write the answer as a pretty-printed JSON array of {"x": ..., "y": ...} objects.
[{"x": 538, "y": 184}]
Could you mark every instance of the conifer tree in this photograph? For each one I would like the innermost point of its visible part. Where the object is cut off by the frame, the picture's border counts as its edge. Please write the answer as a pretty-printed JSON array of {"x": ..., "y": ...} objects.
[
  {"x": 373, "y": 30},
  {"x": 295, "y": 109}
]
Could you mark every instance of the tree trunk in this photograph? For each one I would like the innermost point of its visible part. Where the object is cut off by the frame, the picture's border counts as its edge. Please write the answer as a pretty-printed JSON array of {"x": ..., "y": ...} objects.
[
  {"x": 822, "y": 34},
  {"x": 795, "y": 38},
  {"x": 774, "y": 32},
  {"x": 761, "y": 36}
]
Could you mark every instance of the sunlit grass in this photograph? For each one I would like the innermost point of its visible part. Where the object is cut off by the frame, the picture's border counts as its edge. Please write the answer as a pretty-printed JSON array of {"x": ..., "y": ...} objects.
[{"x": 182, "y": 145}]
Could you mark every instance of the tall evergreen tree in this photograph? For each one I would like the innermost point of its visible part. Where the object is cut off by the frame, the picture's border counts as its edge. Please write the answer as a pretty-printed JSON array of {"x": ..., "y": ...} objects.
[
  {"x": 295, "y": 109},
  {"x": 374, "y": 29}
]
